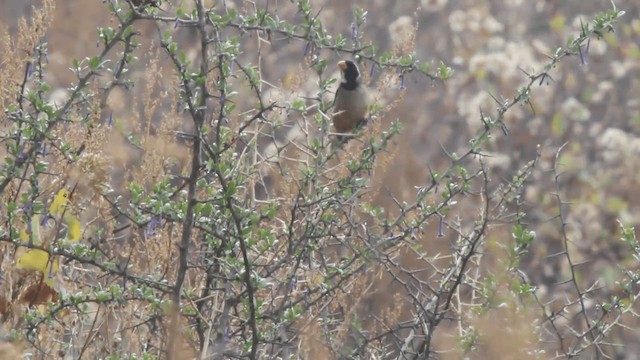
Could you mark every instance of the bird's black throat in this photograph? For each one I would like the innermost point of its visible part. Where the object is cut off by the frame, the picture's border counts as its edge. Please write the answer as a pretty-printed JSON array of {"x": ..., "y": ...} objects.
[
  {"x": 351, "y": 78},
  {"x": 349, "y": 85}
]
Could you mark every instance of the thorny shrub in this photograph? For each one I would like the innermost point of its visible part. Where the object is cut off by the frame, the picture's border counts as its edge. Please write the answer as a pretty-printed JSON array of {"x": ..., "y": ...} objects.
[{"x": 222, "y": 222}]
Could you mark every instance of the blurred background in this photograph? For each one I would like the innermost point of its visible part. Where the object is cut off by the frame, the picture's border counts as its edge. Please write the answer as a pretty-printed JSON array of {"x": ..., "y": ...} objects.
[{"x": 592, "y": 107}]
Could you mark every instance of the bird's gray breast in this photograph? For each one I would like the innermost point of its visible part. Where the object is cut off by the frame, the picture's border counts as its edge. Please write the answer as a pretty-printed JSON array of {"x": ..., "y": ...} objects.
[{"x": 352, "y": 103}]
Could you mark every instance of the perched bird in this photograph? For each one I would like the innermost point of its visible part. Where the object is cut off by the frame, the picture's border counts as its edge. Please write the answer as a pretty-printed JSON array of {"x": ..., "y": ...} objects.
[
  {"x": 152, "y": 3},
  {"x": 350, "y": 106}
]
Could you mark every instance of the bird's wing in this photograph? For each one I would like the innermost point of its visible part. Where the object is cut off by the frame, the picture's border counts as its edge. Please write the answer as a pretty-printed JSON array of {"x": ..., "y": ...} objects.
[{"x": 335, "y": 96}]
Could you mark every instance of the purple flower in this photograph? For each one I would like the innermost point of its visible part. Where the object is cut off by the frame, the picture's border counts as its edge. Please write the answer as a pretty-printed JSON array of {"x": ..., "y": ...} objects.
[
  {"x": 51, "y": 274},
  {"x": 26, "y": 207},
  {"x": 373, "y": 70},
  {"x": 29, "y": 69},
  {"x": 110, "y": 122},
  {"x": 583, "y": 54},
  {"x": 153, "y": 224},
  {"x": 402, "y": 87},
  {"x": 583, "y": 60},
  {"x": 45, "y": 220},
  {"x": 354, "y": 31},
  {"x": 441, "y": 227}
]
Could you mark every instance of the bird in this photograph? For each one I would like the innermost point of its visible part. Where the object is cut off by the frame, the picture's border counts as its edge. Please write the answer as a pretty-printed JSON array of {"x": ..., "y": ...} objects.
[
  {"x": 351, "y": 102},
  {"x": 143, "y": 3}
]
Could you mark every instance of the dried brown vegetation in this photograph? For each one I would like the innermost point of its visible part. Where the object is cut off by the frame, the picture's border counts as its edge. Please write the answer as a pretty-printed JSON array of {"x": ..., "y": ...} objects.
[{"x": 217, "y": 221}]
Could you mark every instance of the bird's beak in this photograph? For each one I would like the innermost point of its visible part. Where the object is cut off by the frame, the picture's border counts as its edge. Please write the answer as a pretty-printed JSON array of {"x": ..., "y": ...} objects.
[{"x": 342, "y": 65}]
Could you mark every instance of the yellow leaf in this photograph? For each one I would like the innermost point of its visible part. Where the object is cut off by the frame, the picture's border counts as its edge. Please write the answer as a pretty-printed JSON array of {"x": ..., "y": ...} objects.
[
  {"x": 38, "y": 260},
  {"x": 57, "y": 208},
  {"x": 74, "y": 230},
  {"x": 35, "y": 231},
  {"x": 59, "y": 203}
]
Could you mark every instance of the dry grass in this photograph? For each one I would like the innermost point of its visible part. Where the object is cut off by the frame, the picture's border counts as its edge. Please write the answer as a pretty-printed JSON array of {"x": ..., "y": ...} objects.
[{"x": 126, "y": 137}]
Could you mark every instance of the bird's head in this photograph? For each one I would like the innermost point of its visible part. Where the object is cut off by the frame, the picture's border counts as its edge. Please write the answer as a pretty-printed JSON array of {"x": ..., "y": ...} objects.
[{"x": 350, "y": 73}]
